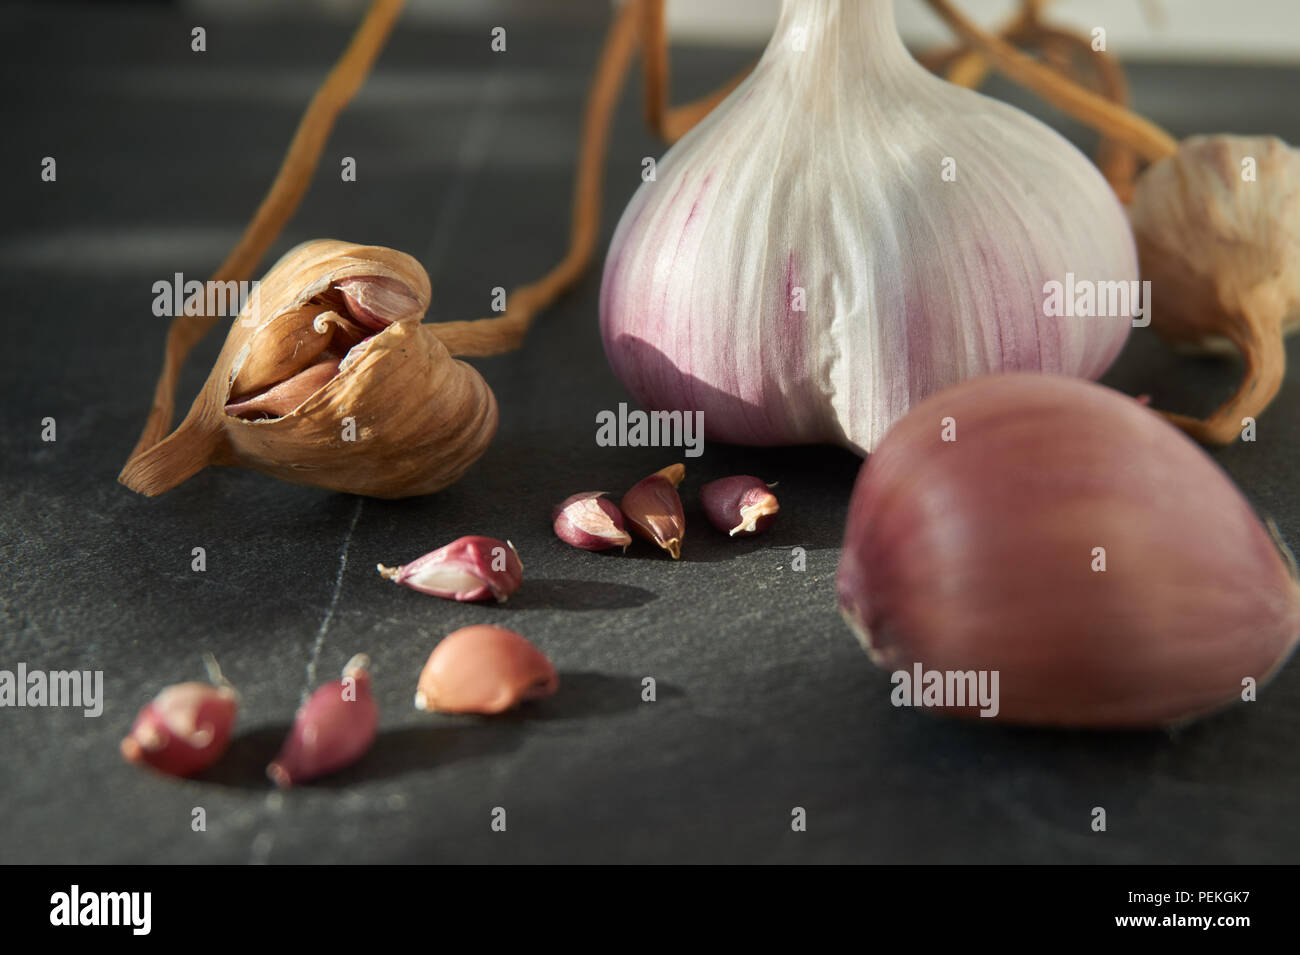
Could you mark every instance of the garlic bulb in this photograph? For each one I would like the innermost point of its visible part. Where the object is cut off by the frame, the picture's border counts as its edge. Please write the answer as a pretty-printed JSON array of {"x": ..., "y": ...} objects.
[
  {"x": 316, "y": 386},
  {"x": 846, "y": 234},
  {"x": 1218, "y": 235}
]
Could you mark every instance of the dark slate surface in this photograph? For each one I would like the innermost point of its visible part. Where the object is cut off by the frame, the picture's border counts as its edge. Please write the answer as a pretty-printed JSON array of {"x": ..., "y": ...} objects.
[{"x": 765, "y": 701}]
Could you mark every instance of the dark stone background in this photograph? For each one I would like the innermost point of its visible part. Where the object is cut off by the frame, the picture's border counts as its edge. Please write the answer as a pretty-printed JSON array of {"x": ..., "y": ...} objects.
[{"x": 765, "y": 701}]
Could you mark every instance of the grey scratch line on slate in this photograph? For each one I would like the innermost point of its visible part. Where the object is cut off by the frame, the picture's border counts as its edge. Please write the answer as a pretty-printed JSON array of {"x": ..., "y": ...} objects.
[
  {"x": 264, "y": 840},
  {"x": 473, "y": 151},
  {"x": 334, "y": 600}
]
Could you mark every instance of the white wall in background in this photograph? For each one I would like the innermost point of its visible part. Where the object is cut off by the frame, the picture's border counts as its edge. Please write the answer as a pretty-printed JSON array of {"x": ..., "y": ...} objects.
[
  {"x": 1220, "y": 29},
  {"x": 1255, "y": 30}
]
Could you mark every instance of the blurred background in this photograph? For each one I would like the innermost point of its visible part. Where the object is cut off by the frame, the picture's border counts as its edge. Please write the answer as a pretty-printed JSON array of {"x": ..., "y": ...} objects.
[{"x": 1147, "y": 29}]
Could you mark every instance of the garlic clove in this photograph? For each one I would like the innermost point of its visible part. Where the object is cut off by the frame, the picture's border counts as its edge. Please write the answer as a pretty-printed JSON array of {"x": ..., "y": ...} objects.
[
  {"x": 467, "y": 569},
  {"x": 378, "y": 301},
  {"x": 590, "y": 522},
  {"x": 486, "y": 670},
  {"x": 185, "y": 728},
  {"x": 331, "y": 731},
  {"x": 282, "y": 399},
  {"x": 1103, "y": 595},
  {"x": 739, "y": 505},
  {"x": 654, "y": 509},
  {"x": 286, "y": 345},
  {"x": 1221, "y": 250}
]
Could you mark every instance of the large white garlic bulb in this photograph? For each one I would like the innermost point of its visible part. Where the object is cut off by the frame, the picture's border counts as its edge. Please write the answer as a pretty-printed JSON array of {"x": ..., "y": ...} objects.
[{"x": 846, "y": 234}]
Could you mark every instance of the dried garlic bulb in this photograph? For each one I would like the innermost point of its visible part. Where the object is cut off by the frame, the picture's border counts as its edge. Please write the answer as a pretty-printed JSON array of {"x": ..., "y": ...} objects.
[
  {"x": 328, "y": 378},
  {"x": 1218, "y": 234}
]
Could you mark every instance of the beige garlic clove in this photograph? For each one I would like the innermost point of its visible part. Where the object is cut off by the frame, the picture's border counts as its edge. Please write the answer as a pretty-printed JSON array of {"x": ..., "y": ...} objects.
[
  {"x": 281, "y": 399},
  {"x": 484, "y": 669},
  {"x": 399, "y": 417},
  {"x": 284, "y": 346},
  {"x": 1218, "y": 235}
]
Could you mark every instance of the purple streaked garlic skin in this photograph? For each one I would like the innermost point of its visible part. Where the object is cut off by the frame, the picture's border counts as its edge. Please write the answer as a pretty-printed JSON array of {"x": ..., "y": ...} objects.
[
  {"x": 378, "y": 301},
  {"x": 468, "y": 569},
  {"x": 184, "y": 729},
  {"x": 741, "y": 505},
  {"x": 590, "y": 522},
  {"x": 796, "y": 298},
  {"x": 332, "y": 730},
  {"x": 486, "y": 670},
  {"x": 653, "y": 509},
  {"x": 1073, "y": 541}
]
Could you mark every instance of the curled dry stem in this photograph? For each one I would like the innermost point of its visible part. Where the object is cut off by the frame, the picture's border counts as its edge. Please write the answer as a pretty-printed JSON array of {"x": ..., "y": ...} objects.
[
  {"x": 1110, "y": 119},
  {"x": 1258, "y": 336},
  {"x": 281, "y": 200},
  {"x": 671, "y": 123}
]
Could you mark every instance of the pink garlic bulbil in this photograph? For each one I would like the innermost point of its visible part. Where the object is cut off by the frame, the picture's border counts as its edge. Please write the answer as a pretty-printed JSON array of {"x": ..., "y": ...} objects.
[
  {"x": 377, "y": 301},
  {"x": 739, "y": 505},
  {"x": 332, "y": 730},
  {"x": 844, "y": 235},
  {"x": 590, "y": 522},
  {"x": 185, "y": 728},
  {"x": 484, "y": 669},
  {"x": 1069, "y": 539},
  {"x": 469, "y": 568}
]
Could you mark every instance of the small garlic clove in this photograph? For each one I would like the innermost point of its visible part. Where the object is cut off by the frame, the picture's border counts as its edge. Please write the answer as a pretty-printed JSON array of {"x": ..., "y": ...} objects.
[
  {"x": 378, "y": 301},
  {"x": 590, "y": 522},
  {"x": 332, "y": 730},
  {"x": 654, "y": 509},
  {"x": 739, "y": 505},
  {"x": 469, "y": 568},
  {"x": 484, "y": 669},
  {"x": 286, "y": 345},
  {"x": 184, "y": 729},
  {"x": 282, "y": 399}
]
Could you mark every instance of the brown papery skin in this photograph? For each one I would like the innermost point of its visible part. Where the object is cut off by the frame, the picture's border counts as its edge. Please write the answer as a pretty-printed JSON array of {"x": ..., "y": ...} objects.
[
  {"x": 486, "y": 670},
  {"x": 420, "y": 417},
  {"x": 977, "y": 554}
]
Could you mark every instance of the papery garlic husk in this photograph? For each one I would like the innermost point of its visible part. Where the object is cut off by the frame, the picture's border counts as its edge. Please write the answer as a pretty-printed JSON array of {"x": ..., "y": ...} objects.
[
  {"x": 399, "y": 417},
  {"x": 1218, "y": 235},
  {"x": 1069, "y": 539},
  {"x": 800, "y": 270}
]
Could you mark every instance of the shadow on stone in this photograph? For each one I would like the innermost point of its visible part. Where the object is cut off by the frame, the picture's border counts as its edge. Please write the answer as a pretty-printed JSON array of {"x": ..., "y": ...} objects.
[
  {"x": 561, "y": 594},
  {"x": 446, "y": 739}
]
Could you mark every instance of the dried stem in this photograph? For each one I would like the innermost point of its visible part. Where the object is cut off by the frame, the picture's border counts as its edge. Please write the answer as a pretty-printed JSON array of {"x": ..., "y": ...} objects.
[
  {"x": 1121, "y": 124},
  {"x": 281, "y": 200},
  {"x": 492, "y": 336},
  {"x": 1259, "y": 339},
  {"x": 643, "y": 19},
  {"x": 671, "y": 123}
]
